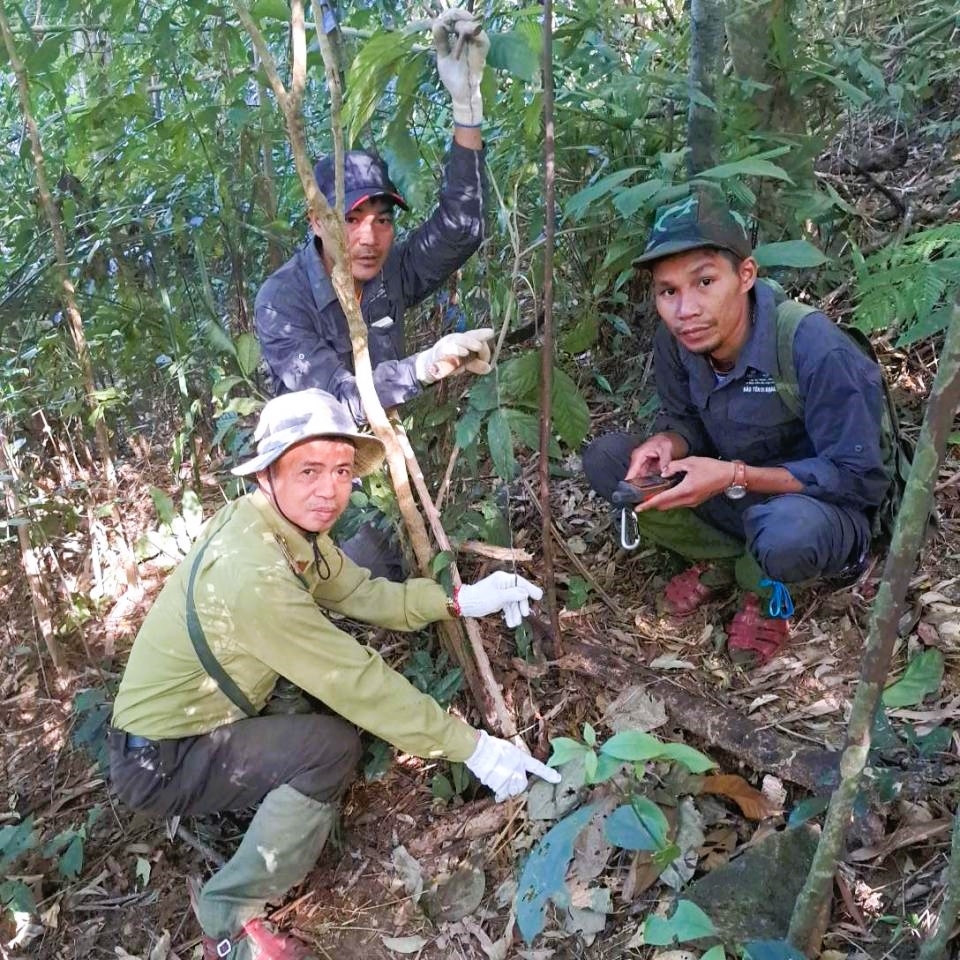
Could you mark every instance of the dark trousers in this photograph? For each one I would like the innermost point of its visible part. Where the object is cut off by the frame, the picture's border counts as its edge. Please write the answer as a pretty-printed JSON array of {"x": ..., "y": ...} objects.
[
  {"x": 790, "y": 537},
  {"x": 236, "y": 765}
]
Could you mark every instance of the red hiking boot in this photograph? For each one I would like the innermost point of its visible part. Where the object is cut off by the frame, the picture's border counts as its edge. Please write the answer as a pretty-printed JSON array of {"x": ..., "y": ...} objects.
[
  {"x": 751, "y": 630},
  {"x": 686, "y": 592},
  {"x": 262, "y": 944}
]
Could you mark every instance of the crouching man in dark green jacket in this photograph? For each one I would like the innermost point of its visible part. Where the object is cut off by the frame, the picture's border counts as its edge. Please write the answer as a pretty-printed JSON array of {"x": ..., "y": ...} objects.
[{"x": 250, "y": 605}]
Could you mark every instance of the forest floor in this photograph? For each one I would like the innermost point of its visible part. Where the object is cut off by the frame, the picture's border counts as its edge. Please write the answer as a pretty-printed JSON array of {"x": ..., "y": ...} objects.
[{"x": 127, "y": 896}]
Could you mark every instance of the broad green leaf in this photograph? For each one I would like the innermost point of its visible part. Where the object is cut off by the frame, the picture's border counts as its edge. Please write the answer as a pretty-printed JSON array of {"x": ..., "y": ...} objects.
[
  {"x": 639, "y": 825},
  {"x": 715, "y": 953},
  {"x": 637, "y": 747},
  {"x": 581, "y": 201},
  {"x": 484, "y": 394},
  {"x": 526, "y": 428},
  {"x": 248, "y": 353},
  {"x": 770, "y": 950},
  {"x": 564, "y": 750},
  {"x": 15, "y": 839},
  {"x": 41, "y": 58},
  {"x": 71, "y": 860},
  {"x": 590, "y": 765},
  {"x": 542, "y": 877},
  {"x": 923, "y": 676},
  {"x": 219, "y": 339},
  {"x": 15, "y": 895},
  {"x": 163, "y": 505},
  {"x": 589, "y": 735},
  {"x": 510, "y": 51},
  {"x": 800, "y": 254},
  {"x": 519, "y": 379},
  {"x": 441, "y": 561},
  {"x": 632, "y": 745},
  {"x": 748, "y": 167},
  {"x": 629, "y": 201},
  {"x": 468, "y": 427},
  {"x": 582, "y": 335},
  {"x": 806, "y": 810},
  {"x": 571, "y": 415},
  {"x": 270, "y": 10},
  {"x": 500, "y": 443},
  {"x": 688, "y": 922},
  {"x": 441, "y": 787},
  {"x": 693, "y": 760},
  {"x": 855, "y": 95}
]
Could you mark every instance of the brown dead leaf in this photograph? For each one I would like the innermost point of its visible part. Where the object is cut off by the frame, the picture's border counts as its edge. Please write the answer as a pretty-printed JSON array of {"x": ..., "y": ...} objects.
[
  {"x": 717, "y": 847},
  {"x": 902, "y": 837},
  {"x": 752, "y": 803}
]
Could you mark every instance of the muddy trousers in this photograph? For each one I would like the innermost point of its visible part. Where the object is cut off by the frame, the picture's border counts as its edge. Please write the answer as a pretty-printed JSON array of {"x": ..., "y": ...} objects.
[
  {"x": 294, "y": 767},
  {"x": 790, "y": 538}
]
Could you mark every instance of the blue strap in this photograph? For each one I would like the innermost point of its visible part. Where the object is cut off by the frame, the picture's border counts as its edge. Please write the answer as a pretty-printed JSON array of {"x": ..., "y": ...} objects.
[{"x": 781, "y": 603}]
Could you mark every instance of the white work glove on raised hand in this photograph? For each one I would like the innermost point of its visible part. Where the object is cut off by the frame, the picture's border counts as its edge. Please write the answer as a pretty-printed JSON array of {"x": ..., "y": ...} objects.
[
  {"x": 455, "y": 353},
  {"x": 501, "y": 592},
  {"x": 462, "y": 47},
  {"x": 503, "y": 768}
]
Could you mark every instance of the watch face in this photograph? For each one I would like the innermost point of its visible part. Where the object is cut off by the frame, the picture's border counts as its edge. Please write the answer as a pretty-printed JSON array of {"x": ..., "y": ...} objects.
[{"x": 735, "y": 491}]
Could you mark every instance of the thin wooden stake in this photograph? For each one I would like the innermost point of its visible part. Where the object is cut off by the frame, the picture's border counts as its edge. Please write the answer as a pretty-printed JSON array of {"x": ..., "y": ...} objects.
[
  {"x": 547, "y": 350},
  {"x": 484, "y": 689}
]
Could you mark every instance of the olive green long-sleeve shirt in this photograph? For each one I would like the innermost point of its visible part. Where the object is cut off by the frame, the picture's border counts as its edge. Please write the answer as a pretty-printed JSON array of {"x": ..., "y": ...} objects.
[{"x": 263, "y": 606}]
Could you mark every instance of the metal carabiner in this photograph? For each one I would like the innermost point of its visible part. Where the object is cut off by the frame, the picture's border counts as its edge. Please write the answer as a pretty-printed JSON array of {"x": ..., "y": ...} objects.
[{"x": 635, "y": 534}]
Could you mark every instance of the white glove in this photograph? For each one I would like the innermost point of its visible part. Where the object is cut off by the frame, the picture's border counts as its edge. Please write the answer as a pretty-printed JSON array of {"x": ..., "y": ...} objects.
[
  {"x": 447, "y": 355},
  {"x": 461, "y": 67},
  {"x": 500, "y": 592},
  {"x": 503, "y": 767}
]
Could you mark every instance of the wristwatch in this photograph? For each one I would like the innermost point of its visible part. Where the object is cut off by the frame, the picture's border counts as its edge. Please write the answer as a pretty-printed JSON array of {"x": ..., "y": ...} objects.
[{"x": 738, "y": 489}]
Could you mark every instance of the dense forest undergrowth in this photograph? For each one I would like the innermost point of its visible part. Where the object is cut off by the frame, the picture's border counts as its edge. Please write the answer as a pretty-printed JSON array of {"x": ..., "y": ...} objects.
[{"x": 85, "y": 878}]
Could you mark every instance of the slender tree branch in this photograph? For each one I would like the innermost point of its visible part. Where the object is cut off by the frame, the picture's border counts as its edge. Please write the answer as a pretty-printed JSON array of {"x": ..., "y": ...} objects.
[
  {"x": 486, "y": 694},
  {"x": 935, "y": 947},
  {"x": 547, "y": 349},
  {"x": 887, "y": 609},
  {"x": 68, "y": 295}
]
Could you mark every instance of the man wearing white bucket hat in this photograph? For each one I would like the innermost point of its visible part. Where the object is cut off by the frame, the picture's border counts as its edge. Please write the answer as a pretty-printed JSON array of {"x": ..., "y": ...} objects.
[{"x": 250, "y": 605}]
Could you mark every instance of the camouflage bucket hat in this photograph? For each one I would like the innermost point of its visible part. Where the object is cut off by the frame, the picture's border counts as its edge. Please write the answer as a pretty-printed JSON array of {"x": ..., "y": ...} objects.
[
  {"x": 308, "y": 414},
  {"x": 701, "y": 220}
]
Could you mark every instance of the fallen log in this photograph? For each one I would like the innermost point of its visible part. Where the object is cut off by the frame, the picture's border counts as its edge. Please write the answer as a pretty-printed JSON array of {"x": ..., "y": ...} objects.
[{"x": 723, "y": 728}]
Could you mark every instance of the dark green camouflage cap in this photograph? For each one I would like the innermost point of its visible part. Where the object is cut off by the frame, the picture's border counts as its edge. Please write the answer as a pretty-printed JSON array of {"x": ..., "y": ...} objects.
[{"x": 701, "y": 220}]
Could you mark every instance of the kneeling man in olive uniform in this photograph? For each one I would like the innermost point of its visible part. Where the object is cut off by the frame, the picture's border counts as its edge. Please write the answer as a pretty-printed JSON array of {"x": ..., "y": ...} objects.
[{"x": 249, "y": 605}]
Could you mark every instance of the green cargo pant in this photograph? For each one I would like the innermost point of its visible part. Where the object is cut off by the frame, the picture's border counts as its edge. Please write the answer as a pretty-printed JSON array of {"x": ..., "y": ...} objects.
[{"x": 683, "y": 532}]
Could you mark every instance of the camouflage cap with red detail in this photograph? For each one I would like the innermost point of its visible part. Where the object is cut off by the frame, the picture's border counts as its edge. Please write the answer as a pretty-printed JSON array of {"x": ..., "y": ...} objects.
[
  {"x": 702, "y": 219},
  {"x": 365, "y": 176}
]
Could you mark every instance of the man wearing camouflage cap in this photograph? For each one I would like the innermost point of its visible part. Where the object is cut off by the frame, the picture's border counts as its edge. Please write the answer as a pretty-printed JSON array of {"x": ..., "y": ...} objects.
[
  {"x": 767, "y": 498},
  {"x": 251, "y": 604},
  {"x": 299, "y": 320}
]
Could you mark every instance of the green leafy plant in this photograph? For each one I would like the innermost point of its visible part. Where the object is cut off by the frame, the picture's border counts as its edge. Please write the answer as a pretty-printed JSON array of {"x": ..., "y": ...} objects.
[
  {"x": 908, "y": 286},
  {"x": 636, "y": 824}
]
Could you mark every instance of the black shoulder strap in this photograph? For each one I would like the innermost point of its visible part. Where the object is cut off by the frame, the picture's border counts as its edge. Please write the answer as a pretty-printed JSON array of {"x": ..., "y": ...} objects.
[{"x": 206, "y": 656}]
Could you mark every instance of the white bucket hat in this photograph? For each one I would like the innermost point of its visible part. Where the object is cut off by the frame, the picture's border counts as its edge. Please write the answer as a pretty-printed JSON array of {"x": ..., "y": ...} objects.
[{"x": 307, "y": 415}]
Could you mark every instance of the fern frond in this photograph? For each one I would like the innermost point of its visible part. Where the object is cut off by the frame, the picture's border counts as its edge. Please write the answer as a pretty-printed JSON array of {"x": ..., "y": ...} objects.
[{"x": 907, "y": 280}]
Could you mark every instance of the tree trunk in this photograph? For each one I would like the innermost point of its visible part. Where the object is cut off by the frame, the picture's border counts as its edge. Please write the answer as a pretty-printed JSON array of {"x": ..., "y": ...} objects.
[
  {"x": 706, "y": 50},
  {"x": 887, "y": 609}
]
